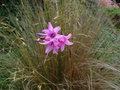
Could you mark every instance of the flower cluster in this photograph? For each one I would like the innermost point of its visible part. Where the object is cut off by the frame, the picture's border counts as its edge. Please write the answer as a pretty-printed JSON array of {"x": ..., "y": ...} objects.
[{"x": 53, "y": 40}]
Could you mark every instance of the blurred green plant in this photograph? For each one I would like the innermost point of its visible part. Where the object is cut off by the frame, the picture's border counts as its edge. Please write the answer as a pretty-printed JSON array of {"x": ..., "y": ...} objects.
[
  {"x": 113, "y": 11},
  {"x": 115, "y": 14},
  {"x": 91, "y": 63}
]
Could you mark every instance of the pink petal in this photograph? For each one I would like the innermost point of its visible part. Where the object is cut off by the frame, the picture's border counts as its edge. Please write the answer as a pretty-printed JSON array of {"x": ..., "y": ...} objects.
[
  {"x": 57, "y": 29},
  {"x": 62, "y": 47},
  {"x": 45, "y": 43},
  {"x": 68, "y": 36},
  {"x": 48, "y": 49},
  {"x": 58, "y": 36},
  {"x": 55, "y": 51},
  {"x": 68, "y": 42},
  {"x": 45, "y": 31},
  {"x": 50, "y": 27}
]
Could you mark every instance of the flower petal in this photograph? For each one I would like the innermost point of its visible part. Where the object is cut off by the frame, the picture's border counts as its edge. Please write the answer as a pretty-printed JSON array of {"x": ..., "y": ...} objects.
[
  {"x": 45, "y": 31},
  {"x": 62, "y": 47},
  {"x": 50, "y": 27},
  {"x": 48, "y": 49},
  {"x": 41, "y": 34},
  {"x": 45, "y": 43},
  {"x": 68, "y": 42},
  {"x": 57, "y": 29},
  {"x": 68, "y": 36},
  {"x": 55, "y": 51},
  {"x": 58, "y": 36}
]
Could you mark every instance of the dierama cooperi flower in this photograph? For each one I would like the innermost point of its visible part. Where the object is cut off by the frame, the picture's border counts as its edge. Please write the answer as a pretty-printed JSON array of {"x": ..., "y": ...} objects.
[
  {"x": 63, "y": 40},
  {"x": 51, "y": 32},
  {"x": 53, "y": 40}
]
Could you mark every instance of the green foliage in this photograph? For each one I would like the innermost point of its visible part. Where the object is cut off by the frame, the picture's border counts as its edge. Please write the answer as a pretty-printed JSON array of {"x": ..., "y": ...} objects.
[
  {"x": 113, "y": 11},
  {"x": 7, "y": 6},
  {"x": 91, "y": 63}
]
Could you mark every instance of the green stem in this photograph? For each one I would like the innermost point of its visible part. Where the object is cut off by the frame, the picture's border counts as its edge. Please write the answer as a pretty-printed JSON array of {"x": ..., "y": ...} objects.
[{"x": 59, "y": 67}]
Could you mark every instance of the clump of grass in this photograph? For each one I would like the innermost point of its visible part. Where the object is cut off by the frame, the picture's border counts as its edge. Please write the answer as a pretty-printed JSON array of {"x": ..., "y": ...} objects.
[
  {"x": 115, "y": 14},
  {"x": 83, "y": 66}
]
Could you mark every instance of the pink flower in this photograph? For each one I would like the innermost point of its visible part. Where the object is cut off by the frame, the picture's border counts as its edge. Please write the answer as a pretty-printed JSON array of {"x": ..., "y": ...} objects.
[
  {"x": 52, "y": 44},
  {"x": 51, "y": 32},
  {"x": 63, "y": 40},
  {"x": 53, "y": 40}
]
